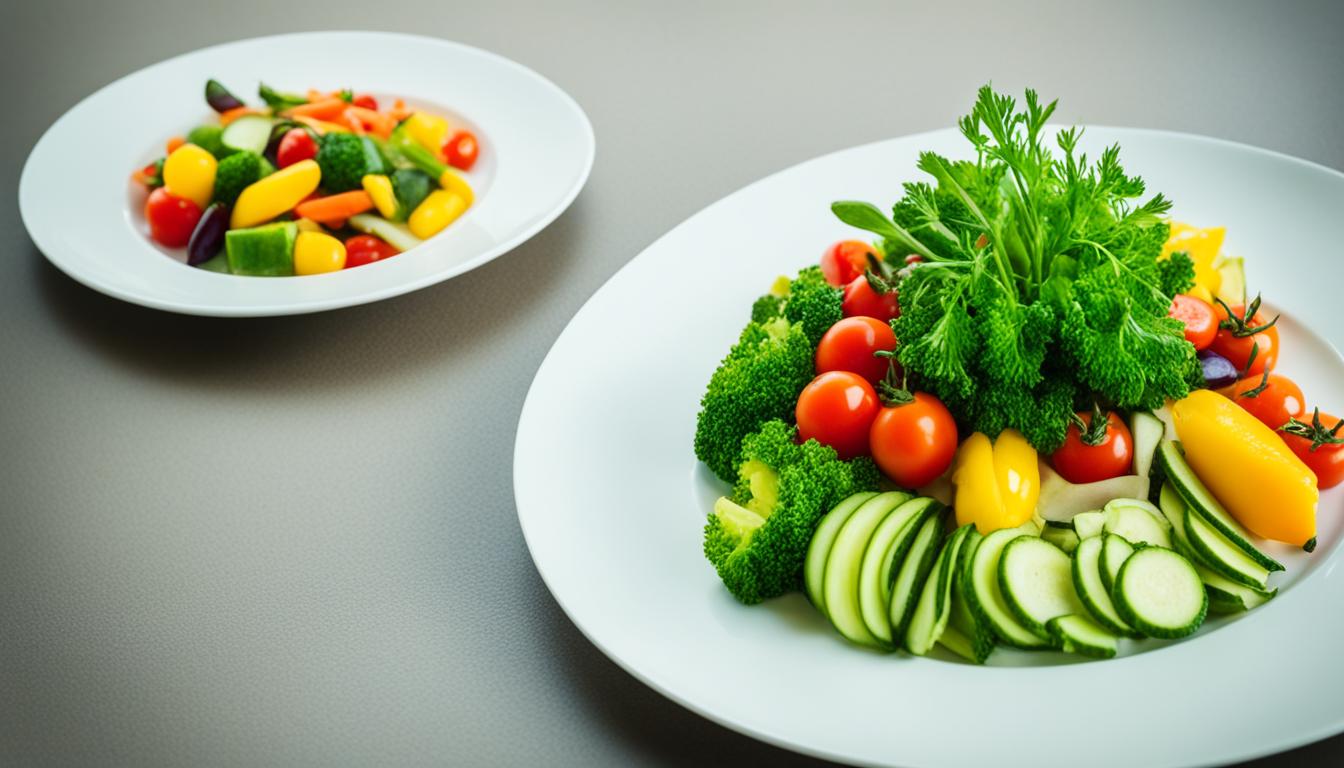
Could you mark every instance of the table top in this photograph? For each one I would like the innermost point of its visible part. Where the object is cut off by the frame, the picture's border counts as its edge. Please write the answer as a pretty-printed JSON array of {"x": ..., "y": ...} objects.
[{"x": 294, "y": 541}]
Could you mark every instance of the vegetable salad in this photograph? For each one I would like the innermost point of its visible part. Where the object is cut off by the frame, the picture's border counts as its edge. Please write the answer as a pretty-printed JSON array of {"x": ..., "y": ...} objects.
[
  {"x": 306, "y": 184},
  {"x": 1034, "y": 412}
]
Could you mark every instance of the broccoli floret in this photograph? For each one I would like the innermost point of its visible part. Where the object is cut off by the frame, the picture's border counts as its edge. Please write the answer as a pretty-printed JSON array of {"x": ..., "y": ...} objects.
[
  {"x": 235, "y": 173},
  {"x": 813, "y": 302},
  {"x": 758, "y": 381},
  {"x": 345, "y": 159},
  {"x": 1176, "y": 273},
  {"x": 208, "y": 137},
  {"x": 757, "y": 538}
]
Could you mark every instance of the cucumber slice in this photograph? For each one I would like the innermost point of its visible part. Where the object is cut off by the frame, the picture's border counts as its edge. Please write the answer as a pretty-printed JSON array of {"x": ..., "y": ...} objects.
[
  {"x": 1037, "y": 580},
  {"x": 840, "y": 581},
  {"x": 914, "y": 571},
  {"x": 1159, "y": 593},
  {"x": 1147, "y": 432},
  {"x": 1138, "y": 521},
  {"x": 1089, "y": 524},
  {"x": 956, "y": 641},
  {"x": 249, "y": 133},
  {"x": 1221, "y": 555},
  {"x": 986, "y": 595},
  {"x": 1227, "y": 596},
  {"x": 931, "y": 613},
  {"x": 397, "y": 234},
  {"x": 822, "y": 539},
  {"x": 1080, "y": 635},
  {"x": 963, "y": 619},
  {"x": 1092, "y": 590},
  {"x": 891, "y": 538},
  {"x": 1064, "y": 538},
  {"x": 1115, "y": 550},
  {"x": 1061, "y": 501},
  {"x": 1203, "y": 504}
]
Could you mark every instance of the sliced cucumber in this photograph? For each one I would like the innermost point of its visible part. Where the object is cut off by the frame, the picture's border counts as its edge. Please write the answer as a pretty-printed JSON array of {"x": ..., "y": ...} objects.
[
  {"x": 1115, "y": 550},
  {"x": 397, "y": 234},
  {"x": 249, "y": 133},
  {"x": 986, "y": 595},
  {"x": 931, "y": 613},
  {"x": 1172, "y": 506},
  {"x": 1092, "y": 590},
  {"x": 1089, "y": 524},
  {"x": 1138, "y": 521},
  {"x": 1080, "y": 635},
  {"x": 840, "y": 581},
  {"x": 1227, "y": 596},
  {"x": 1159, "y": 593},
  {"x": 976, "y": 630},
  {"x": 1147, "y": 432},
  {"x": 914, "y": 571},
  {"x": 1221, "y": 555},
  {"x": 1037, "y": 580},
  {"x": 1205, "y": 505},
  {"x": 822, "y": 539},
  {"x": 956, "y": 641},
  {"x": 1061, "y": 500},
  {"x": 887, "y": 547},
  {"x": 1064, "y": 538}
]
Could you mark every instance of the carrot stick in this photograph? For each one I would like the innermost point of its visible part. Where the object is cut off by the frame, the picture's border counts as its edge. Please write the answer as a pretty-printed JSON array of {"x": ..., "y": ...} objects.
[
  {"x": 377, "y": 123},
  {"x": 321, "y": 126},
  {"x": 335, "y": 207},
  {"x": 174, "y": 143},
  {"x": 326, "y": 109},
  {"x": 352, "y": 120},
  {"x": 229, "y": 115}
]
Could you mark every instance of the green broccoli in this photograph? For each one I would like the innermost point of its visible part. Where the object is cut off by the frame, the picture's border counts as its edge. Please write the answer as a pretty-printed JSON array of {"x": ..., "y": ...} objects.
[
  {"x": 235, "y": 173},
  {"x": 207, "y": 137},
  {"x": 345, "y": 159},
  {"x": 757, "y": 538},
  {"x": 759, "y": 380},
  {"x": 813, "y": 302}
]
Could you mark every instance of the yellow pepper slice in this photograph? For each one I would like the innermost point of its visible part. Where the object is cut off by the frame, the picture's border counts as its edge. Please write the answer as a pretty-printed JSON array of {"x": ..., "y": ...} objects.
[
  {"x": 451, "y": 181},
  {"x": 429, "y": 131},
  {"x": 996, "y": 484},
  {"x": 189, "y": 173},
  {"x": 1203, "y": 246},
  {"x": 380, "y": 190},
  {"x": 1247, "y": 467},
  {"x": 273, "y": 195},
  {"x": 316, "y": 252},
  {"x": 437, "y": 211}
]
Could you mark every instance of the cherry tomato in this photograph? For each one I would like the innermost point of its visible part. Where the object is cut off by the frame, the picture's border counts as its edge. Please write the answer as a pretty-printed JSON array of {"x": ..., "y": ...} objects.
[
  {"x": 366, "y": 101},
  {"x": 1237, "y": 349},
  {"x": 837, "y": 409},
  {"x": 461, "y": 149},
  {"x": 862, "y": 301},
  {"x": 1327, "y": 461},
  {"x": 366, "y": 249},
  {"x": 1201, "y": 324},
  {"x": 297, "y": 144},
  {"x": 844, "y": 261},
  {"x": 914, "y": 443},
  {"x": 1112, "y": 456},
  {"x": 1279, "y": 401},
  {"x": 849, "y": 346},
  {"x": 171, "y": 219}
]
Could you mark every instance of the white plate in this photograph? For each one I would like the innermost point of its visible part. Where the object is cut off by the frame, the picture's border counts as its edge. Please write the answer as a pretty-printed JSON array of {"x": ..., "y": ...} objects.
[
  {"x": 82, "y": 212},
  {"x": 612, "y": 501}
]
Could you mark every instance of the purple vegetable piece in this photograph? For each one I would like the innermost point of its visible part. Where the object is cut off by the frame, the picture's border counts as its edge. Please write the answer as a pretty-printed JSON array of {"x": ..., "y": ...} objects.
[
  {"x": 208, "y": 237},
  {"x": 1219, "y": 372},
  {"x": 219, "y": 98}
]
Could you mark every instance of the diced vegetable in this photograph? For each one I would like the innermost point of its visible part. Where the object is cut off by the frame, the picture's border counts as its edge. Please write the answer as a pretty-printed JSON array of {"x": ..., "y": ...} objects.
[
  {"x": 250, "y": 133},
  {"x": 346, "y": 159},
  {"x": 266, "y": 250},
  {"x": 209, "y": 138},
  {"x": 334, "y": 208},
  {"x": 430, "y": 131},
  {"x": 235, "y": 173},
  {"x": 219, "y": 264},
  {"x": 316, "y": 252},
  {"x": 410, "y": 186},
  {"x": 189, "y": 172},
  {"x": 219, "y": 98},
  {"x": 207, "y": 240},
  {"x": 275, "y": 194},
  {"x": 435, "y": 212},
  {"x": 380, "y": 191},
  {"x": 395, "y": 233}
]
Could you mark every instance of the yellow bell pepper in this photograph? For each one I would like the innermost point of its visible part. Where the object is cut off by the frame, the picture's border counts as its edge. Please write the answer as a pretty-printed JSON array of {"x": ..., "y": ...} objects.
[
  {"x": 1247, "y": 467},
  {"x": 1203, "y": 246},
  {"x": 273, "y": 195},
  {"x": 429, "y": 131},
  {"x": 189, "y": 173},
  {"x": 380, "y": 190},
  {"x": 451, "y": 181},
  {"x": 317, "y": 252},
  {"x": 437, "y": 211},
  {"x": 996, "y": 485},
  {"x": 1201, "y": 293}
]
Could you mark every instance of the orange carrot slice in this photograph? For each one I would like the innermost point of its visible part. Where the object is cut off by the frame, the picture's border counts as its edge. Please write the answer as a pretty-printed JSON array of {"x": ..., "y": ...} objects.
[{"x": 333, "y": 208}]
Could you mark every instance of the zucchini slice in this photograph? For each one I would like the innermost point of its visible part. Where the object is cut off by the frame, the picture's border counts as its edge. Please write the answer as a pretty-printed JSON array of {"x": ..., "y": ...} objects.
[
  {"x": 1147, "y": 431},
  {"x": 935, "y": 601},
  {"x": 914, "y": 571},
  {"x": 1138, "y": 521},
  {"x": 1159, "y": 593},
  {"x": 986, "y": 595},
  {"x": 1089, "y": 524},
  {"x": 1227, "y": 596},
  {"x": 1198, "y": 497},
  {"x": 1092, "y": 590},
  {"x": 822, "y": 539},
  {"x": 249, "y": 133},
  {"x": 1221, "y": 555},
  {"x": 963, "y": 620},
  {"x": 1115, "y": 550},
  {"x": 840, "y": 582},
  {"x": 1037, "y": 580},
  {"x": 1080, "y": 635},
  {"x": 1064, "y": 538},
  {"x": 887, "y": 547}
]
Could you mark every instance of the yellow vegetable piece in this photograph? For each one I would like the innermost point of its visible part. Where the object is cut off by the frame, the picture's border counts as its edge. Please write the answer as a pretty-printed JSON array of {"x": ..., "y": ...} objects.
[
  {"x": 451, "y": 181},
  {"x": 438, "y": 210},
  {"x": 189, "y": 173},
  {"x": 317, "y": 252},
  {"x": 429, "y": 131},
  {"x": 1201, "y": 293},
  {"x": 996, "y": 484},
  {"x": 380, "y": 190},
  {"x": 1203, "y": 246},
  {"x": 273, "y": 195},
  {"x": 1247, "y": 467},
  {"x": 308, "y": 225},
  {"x": 781, "y": 286}
]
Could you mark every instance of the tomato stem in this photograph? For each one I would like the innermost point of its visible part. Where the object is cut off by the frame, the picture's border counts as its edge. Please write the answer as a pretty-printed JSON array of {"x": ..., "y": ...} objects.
[
  {"x": 1093, "y": 433},
  {"x": 1315, "y": 431},
  {"x": 1240, "y": 326}
]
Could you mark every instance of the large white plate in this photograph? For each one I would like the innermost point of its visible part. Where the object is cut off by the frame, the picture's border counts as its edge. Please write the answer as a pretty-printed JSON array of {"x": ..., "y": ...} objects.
[
  {"x": 612, "y": 502},
  {"x": 80, "y": 209}
]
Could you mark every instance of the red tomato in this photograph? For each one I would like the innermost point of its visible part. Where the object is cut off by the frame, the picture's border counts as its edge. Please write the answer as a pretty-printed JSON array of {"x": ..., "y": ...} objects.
[
  {"x": 1235, "y": 345},
  {"x": 461, "y": 149},
  {"x": 1201, "y": 324},
  {"x": 297, "y": 144},
  {"x": 1112, "y": 456},
  {"x": 366, "y": 249},
  {"x": 914, "y": 443},
  {"x": 1279, "y": 401},
  {"x": 366, "y": 101},
  {"x": 171, "y": 219},
  {"x": 837, "y": 409},
  {"x": 862, "y": 301},
  {"x": 844, "y": 261},
  {"x": 1327, "y": 460},
  {"x": 913, "y": 258},
  {"x": 849, "y": 346}
]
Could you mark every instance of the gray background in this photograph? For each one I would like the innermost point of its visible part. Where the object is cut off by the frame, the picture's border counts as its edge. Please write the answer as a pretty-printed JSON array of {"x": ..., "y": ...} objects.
[{"x": 293, "y": 540}]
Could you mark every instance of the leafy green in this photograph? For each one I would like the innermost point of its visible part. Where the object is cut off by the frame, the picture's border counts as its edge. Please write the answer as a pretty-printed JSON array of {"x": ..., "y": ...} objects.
[{"x": 1040, "y": 289}]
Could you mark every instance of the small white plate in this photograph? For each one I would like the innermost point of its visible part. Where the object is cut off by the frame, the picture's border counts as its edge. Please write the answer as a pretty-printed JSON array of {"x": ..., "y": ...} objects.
[
  {"x": 81, "y": 210},
  {"x": 612, "y": 501}
]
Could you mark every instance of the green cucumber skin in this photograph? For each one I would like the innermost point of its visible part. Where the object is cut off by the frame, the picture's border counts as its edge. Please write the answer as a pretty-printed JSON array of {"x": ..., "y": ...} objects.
[
  {"x": 982, "y": 637},
  {"x": 944, "y": 569},
  {"x": 1106, "y": 579},
  {"x": 1208, "y": 558},
  {"x": 1040, "y": 630},
  {"x": 1168, "y": 455},
  {"x": 923, "y": 565},
  {"x": 1128, "y": 613},
  {"x": 904, "y": 538},
  {"x": 1092, "y": 606},
  {"x": 824, "y": 535},
  {"x": 904, "y": 545},
  {"x": 1074, "y": 645},
  {"x": 978, "y": 609}
]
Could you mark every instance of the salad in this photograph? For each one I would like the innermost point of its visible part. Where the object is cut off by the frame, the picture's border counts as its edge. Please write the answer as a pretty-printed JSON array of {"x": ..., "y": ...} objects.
[
  {"x": 1032, "y": 412},
  {"x": 306, "y": 184}
]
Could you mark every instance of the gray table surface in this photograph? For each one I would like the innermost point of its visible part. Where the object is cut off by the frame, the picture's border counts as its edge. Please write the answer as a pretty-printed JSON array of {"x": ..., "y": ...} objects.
[{"x": 293, "y": 540}]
